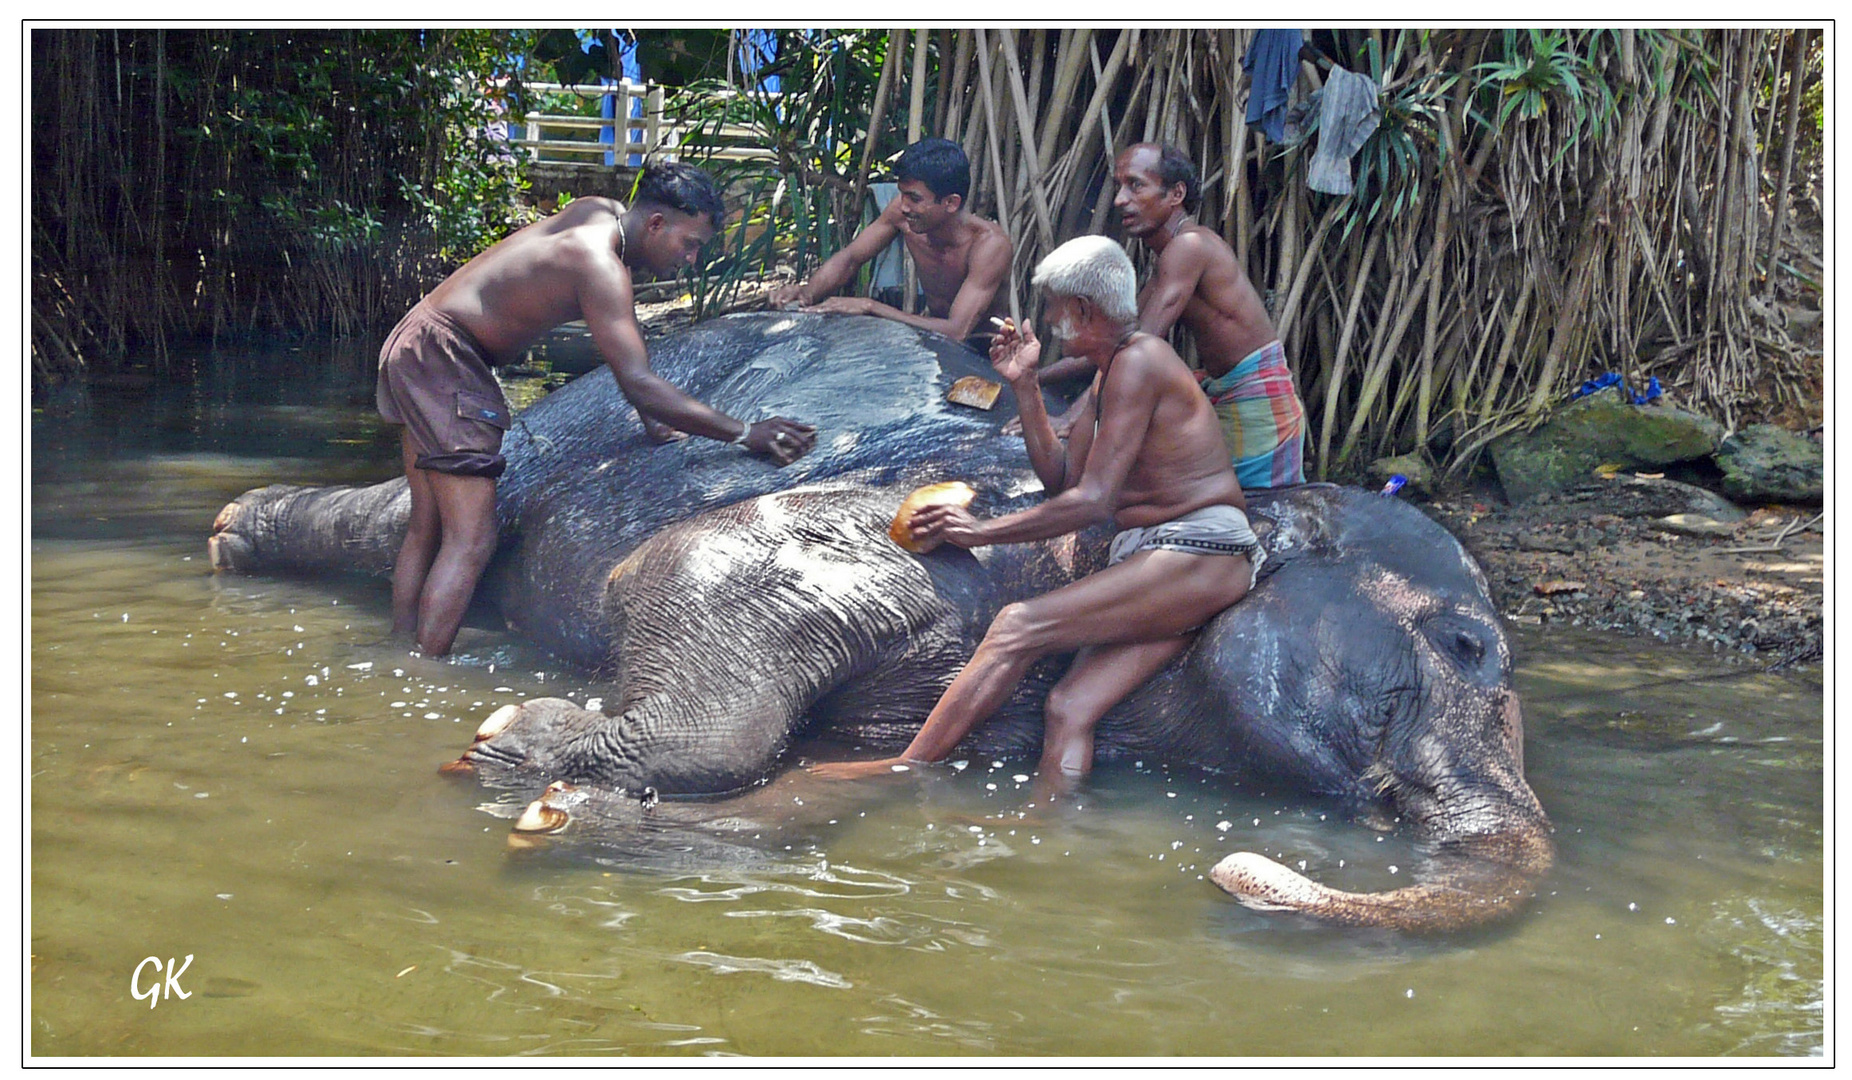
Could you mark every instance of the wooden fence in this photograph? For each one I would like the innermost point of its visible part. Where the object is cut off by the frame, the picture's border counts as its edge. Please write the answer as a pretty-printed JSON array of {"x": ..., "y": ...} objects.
[{"x": 558, "y": 137}]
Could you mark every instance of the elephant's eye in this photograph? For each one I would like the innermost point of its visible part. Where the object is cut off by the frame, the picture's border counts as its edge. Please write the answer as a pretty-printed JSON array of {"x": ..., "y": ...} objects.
[{"x": 1463, "y": 641}]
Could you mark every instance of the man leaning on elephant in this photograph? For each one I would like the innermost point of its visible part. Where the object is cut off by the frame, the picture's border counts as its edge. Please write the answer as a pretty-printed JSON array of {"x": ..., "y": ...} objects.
[
  {"x": 434, "y": 376},
  {"x": 1152, "y": 459}
]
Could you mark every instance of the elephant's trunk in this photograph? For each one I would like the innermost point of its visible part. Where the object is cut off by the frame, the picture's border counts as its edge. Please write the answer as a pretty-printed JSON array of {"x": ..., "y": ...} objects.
[
  {"x": 1460, "y": 884},
  {"x": 1484, "y": 838}
]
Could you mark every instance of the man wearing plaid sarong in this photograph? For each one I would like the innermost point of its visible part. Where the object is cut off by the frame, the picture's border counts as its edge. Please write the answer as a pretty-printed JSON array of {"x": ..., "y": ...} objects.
[
  {"x": 1199, "y": 280},
  {"x": 1262, "y": 420}
]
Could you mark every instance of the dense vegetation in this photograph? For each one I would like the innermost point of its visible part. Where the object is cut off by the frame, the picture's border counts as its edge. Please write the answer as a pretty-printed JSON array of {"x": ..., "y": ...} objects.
[{"x": 1534, "y": 208}]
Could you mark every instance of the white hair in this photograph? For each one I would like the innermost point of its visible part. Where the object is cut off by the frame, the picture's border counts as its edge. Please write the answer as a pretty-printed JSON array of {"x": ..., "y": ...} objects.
[{"x": 1093, "y": 268}]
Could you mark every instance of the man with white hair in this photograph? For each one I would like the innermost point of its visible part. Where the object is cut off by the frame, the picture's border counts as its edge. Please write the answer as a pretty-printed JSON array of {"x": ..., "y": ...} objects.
[{"x": 1151, "y": 459}]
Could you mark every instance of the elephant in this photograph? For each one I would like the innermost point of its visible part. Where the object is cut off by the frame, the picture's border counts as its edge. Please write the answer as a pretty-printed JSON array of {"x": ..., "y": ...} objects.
[{"x": 734, "y": 606}]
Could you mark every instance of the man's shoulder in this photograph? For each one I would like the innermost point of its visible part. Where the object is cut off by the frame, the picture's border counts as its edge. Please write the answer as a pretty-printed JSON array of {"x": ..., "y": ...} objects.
[
  {"x": 1201, "y": 242},
  {"x": 988, "y": 236},
  {"x": 1147, "y": 353},
  {"x": 988, "y": 227},
  {"x": 885, "y": 226},
  {"x": 587, "y": 210}
]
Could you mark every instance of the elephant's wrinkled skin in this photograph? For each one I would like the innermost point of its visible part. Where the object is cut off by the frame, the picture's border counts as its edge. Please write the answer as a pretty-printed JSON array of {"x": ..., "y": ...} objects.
[{"x": 733, "y": 604}]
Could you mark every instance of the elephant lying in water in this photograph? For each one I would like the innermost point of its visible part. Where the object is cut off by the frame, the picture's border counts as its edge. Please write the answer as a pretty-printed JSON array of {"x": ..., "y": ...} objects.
[{"x": 734, "y": 606}]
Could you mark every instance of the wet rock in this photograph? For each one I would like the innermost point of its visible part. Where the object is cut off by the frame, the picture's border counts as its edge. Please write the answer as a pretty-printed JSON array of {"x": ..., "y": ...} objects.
[
  {"x": 1529, "y": 541},
  {"x": 1693, "y": 525},
  {"x": 1765, "y": 463},
  {"x": 1629, "y": 496},
  {"x": 1600, "y": 429},
  {"x": 1551, "y": 588}
]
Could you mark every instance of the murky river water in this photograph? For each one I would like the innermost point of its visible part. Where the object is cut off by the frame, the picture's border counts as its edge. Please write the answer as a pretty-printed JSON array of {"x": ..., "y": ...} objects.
[{"x": 243, "y": 770}]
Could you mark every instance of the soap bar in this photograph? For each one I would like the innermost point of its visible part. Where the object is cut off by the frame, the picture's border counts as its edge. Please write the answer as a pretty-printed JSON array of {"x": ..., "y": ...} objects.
[
  {"x": 974, "y": 391},
  {"x": 953, "y": 492}
]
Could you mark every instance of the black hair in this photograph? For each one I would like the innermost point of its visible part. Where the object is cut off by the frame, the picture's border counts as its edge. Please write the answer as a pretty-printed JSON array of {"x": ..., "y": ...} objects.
[
  {"x": 940, "y": 164},
  {"x": 683, "y": 187},
  {"x": 1174, "y": 167}
]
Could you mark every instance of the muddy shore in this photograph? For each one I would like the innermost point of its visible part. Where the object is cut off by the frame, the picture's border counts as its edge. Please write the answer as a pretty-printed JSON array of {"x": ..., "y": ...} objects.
[{"x": 1604, "y": 557}]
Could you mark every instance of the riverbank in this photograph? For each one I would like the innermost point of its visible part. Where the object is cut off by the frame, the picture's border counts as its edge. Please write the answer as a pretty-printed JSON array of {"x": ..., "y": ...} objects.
[
  {"x": 1595, "y": 557},
  {"x": 1606, "y": 557}
]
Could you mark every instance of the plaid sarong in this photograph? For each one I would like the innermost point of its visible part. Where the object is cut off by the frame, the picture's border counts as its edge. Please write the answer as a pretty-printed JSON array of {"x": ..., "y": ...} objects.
[{"x": 1263, "y": 422}]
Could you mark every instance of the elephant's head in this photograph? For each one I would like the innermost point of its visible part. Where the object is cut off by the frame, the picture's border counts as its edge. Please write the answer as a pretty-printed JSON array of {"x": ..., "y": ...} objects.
[{"x": 1382, "y": 677}]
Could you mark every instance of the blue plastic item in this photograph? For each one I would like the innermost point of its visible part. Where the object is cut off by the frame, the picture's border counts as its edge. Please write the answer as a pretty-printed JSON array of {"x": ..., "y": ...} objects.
[{"x": 1653, "y": 389}]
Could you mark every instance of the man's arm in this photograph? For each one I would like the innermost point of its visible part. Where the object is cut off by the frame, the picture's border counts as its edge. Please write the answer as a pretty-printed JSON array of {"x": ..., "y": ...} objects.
[
  {"x": 984, "y": 273},
  {"x": 1104, "y": 462},
  {"x": 840, "y": 267},
  {"x": 606, "y": 303},
  {"x": 1104, "y": 459},
  {"x": 1068, "y": 367}
]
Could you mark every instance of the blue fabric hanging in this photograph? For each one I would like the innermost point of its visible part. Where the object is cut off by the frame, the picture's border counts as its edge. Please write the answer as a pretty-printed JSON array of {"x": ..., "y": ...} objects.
[{"x": 1272, "y": 64}]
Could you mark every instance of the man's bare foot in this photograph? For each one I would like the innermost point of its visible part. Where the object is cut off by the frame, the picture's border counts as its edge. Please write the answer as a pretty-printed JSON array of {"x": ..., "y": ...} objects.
[
  {"x": 859, "y": 770},
  {"x": 1052, "y": 785}
]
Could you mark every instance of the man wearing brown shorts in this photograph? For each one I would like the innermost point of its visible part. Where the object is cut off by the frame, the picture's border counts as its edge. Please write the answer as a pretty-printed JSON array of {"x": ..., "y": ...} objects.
[{"x": 435, "y": 379}]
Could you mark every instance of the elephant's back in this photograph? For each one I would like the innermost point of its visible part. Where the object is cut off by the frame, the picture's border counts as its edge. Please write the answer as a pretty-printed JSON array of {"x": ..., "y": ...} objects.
[
  {"x": 874, "y": 388},
  {"x": 585, "y": 485}
]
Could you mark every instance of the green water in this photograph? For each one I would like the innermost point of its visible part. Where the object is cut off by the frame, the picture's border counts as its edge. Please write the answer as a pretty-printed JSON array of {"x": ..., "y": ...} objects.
[{"x": 243, "y": 770}]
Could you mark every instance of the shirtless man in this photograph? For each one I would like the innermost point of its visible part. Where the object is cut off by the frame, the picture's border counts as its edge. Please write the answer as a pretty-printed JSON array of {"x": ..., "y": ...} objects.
[
  {"x": 1199, "y": 280},
  {"x": 961, "y": 260},
  {"x": 434, "y": 374},
  {"x": 1153, "y": 462}
]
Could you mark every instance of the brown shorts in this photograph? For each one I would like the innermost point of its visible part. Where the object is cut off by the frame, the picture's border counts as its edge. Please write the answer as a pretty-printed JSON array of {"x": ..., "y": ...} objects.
[{"x": 434, "y": 378}]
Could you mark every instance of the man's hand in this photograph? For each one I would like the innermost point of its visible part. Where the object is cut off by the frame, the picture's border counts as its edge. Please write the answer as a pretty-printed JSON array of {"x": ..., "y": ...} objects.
[
  {"x": 785, "y": 296},
  {"x": 944, "y": 524},
  {"x": 1015, "y": 352},
  {"x": 858, "y": 770},
  {"x": 845, "y": 305},
  {"x": 782, "y": 440}
]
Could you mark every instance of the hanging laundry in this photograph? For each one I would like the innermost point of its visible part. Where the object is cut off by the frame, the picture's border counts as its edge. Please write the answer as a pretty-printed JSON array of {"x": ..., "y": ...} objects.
[
  {"x": 1272, "y": 64},
  {"x": 1346, "y": 117}
]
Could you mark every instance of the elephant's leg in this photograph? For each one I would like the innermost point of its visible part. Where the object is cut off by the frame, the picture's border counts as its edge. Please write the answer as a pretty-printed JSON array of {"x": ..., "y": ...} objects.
[
  {"x": 727, "y": 628},
  {"x": 288, "y": 528}
]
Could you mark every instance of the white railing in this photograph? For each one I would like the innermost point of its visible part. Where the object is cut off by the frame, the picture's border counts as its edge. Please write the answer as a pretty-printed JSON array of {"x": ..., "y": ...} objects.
[{"x": 545, "y": 136}]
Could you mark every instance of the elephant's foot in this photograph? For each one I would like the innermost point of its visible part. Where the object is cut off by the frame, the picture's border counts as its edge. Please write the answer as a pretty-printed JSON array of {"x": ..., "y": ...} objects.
[
  {"x": 527, "y": 736},
  {"x": 493, "y": 726},
  {"x": 544, "y": 816},
  {"x": 227, "y": 548}
]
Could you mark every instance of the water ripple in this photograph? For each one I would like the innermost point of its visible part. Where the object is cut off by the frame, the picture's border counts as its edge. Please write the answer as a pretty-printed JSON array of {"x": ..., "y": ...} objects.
[
  {"x": 1782, "y": 1006},
  {"x": 804, "y": 971},
  {"x": 863, "y": 883}
]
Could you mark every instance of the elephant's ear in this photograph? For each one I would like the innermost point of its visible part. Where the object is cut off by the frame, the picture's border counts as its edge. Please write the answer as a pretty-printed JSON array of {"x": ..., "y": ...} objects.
[{"x": 732, "y": 625}]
